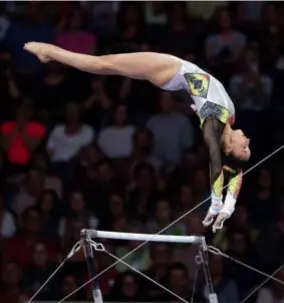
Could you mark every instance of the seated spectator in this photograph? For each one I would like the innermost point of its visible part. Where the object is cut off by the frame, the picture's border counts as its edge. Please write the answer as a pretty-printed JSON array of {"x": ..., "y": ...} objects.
[
  {"x": 41, "y": 162},
  {"x": 72, "y": 235},
  {"x": 162, "y": 218},
  {"x": 116, "y": 140},
  {"x": 54, "y": 91},
  {"x": 141, "y": 259},
  {"x": 11, "y": 282},
  {"x": 29, "y": 234},
  {"x": 131, "y": 21},
  {"x": 186, "y": 199},
  {"x": 178, "y": 283},
  {"x": 29, "y": 191},
  {"x": 29, "y": 27},
  {"x": 225, "y": 288},
  {"x": 270, "y": 32},
  {"x": 97, "y": 104},
  {"x": 21, "y": 137},
  {"x": 38, "y": 271},
  {"x": 66, "y": 140},
  {"x": 251, "y": 89},
  {"x": 77, "y": 209},
  {"x": 240, "y": 248},
  {"x": 68, "y": 285},
  {"x": 273, "y": 293},
  {"x": 75, "y": 38},
  {"x": 127, "y": 289},
  {"x": 7, "y": 222},
  {"x": 142, "y": 148},
  {"x": 160, "y": 257},
  {"x": 224, "y": 48},
  {"x": 115, "y": 218},
  {"x": 187, "y": 253},
  {"x": 178, "y": 128},
  {"x": 50, "y": 206},
  {"x": 142, "y": 191}
]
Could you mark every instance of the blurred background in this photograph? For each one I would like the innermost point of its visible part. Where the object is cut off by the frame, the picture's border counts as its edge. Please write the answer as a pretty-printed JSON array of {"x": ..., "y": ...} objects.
[{"x": 83, "y": 151}]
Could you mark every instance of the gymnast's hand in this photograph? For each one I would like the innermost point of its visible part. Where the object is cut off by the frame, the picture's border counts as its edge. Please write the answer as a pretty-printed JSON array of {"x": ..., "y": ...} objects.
[{"x": 40, "y": 50}]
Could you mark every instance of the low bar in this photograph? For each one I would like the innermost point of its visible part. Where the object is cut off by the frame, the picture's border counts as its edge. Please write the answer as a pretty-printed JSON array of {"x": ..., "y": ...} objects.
[{"x": 143, "y": 237}]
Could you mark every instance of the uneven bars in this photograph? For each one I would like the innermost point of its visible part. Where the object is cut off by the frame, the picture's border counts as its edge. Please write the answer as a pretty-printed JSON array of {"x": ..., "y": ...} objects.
[{"x": 143, "y": 237}]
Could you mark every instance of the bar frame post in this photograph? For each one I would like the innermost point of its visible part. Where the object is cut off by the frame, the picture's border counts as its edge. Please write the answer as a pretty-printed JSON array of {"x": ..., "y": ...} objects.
[
  {"x": 89, "y": 256},
  {"x": 204, "y": 258}
]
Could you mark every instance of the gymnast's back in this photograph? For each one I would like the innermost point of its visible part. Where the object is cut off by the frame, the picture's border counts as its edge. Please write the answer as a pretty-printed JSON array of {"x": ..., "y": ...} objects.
[{"x": 202, "y": 87}]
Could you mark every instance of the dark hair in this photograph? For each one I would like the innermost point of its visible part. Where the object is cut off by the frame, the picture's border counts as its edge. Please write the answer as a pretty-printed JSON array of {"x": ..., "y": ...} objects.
[{"x": 233, "y": 162}]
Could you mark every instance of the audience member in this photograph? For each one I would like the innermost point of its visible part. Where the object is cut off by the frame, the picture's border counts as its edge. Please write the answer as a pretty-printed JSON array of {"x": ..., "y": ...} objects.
[{"x": 177, "y": 127}]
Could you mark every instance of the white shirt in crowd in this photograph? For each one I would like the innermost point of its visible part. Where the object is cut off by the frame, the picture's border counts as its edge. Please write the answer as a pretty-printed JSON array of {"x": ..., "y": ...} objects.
[
  {"x": 265, "y": 296},
  {"x": 116, "y": 142},
  {"x": 64, "y": 147},
  {"x": 7, "y": 225}
]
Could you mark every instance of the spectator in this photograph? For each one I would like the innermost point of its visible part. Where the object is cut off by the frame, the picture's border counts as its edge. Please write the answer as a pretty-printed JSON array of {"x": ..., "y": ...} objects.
[
  {"x": 11, "y": 280},
  {"x": 241, "y": 248},
  {"x": 30, "y": 234},
  {"x": 21, "y": 137},
  {"x": 142, "y": 149},
  {"x": 140, "y": 260},
  {"x": 7, "y": 221},
  {"x": 260, "y": 203},
  {"x": 160, "y": 255},
  {"x": 178, "y": 283},
  {"x": 38, "y": 271},
  {"x": 71, "y": 236},
  {"x": 75, "y": 37},
  {"x": 126, "y": 289},
  {"x": 77, "y": 209},
  {"x": 142, "y": 190},
  {"x": 22, "y": 30},
  {"x": 41, "y": 162},
  {"x": 97, "y": 104},
  {"x": 178, "y": 129},
  {"x": 162, "y": 218},
  {"x": 225, "y": 287},
  {"x": 224, "y": 48},
  {"x": 187, "y": 253},
  {"x": 251, "y": 90},
  {"x": 116, "y": 219},
  {"x": 49, "y": 205},
  {"x": 66, "y": 140},
  {"x": 186, "y": 199},
  {"x": 54, "y": 91},
  {"x": 270, "y": 32},
  {"x": 274, "y": 293},
  {"x": 69, "y": 284},
  {"x": 131, "y": 21},
  {"x": 29, "y": 191},
  {"x": 116, "y": 140}
]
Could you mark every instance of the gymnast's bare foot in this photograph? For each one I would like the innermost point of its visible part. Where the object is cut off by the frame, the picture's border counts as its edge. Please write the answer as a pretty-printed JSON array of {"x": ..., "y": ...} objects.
[{"x": 40, "y": 50}]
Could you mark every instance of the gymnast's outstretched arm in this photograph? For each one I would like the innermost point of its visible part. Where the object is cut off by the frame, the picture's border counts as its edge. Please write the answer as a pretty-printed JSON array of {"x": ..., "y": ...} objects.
[{"x": 154, "y": 67}]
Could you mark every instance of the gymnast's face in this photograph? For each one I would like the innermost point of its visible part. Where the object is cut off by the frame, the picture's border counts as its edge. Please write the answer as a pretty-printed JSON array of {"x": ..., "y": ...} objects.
[{"x": 240, "y": 145}]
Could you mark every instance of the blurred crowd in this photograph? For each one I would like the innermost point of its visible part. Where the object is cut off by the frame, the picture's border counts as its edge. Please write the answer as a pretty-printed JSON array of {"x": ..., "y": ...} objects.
[{"x": 84, "y": 151}]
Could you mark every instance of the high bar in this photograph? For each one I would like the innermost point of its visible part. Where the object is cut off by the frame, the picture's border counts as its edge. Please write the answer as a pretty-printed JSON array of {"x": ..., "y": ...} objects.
[{"x": 142, "y": 237}]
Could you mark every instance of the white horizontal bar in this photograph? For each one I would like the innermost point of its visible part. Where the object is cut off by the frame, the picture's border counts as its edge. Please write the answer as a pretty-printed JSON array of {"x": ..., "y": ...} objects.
[{"x": 143, "y": 237}]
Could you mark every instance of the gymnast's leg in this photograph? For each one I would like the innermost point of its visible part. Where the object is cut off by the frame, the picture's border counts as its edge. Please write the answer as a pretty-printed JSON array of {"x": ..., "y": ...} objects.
[{"x": 154, "y": 67}]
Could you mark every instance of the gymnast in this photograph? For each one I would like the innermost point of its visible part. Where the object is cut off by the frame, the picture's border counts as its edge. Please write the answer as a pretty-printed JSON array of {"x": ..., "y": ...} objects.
[{"x": 212, "y": 104}]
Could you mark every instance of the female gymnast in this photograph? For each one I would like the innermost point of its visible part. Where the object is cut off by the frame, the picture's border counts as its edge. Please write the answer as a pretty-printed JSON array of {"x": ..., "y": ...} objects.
[{"x": 211, "y": 101}]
